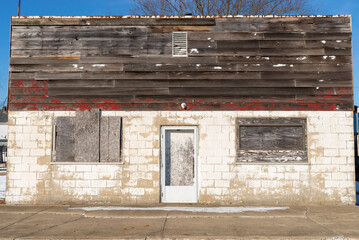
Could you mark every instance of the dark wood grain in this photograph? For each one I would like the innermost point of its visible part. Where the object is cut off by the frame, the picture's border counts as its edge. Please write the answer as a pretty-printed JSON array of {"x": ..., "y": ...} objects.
[
  {"x": 64, "y": 150},
  {"x": 110, "y": 139},
  {"x": 280, "y": 63},
  {"x": 87, "y": 136},
  {"x": 271, "y": 140}
]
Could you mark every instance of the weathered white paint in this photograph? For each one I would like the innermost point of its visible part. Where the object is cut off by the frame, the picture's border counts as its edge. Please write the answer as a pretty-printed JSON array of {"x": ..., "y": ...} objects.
[
  {"x": 194, "y": 50},
  {"x": 301, "y": 58},
  {"x": 327, "y": 178},
  {"x": 99, "y": 65},
  {"x": 279, "y": 65},
  {"x": 76, "y": 66},
  {"x": 185, "y": 209}
]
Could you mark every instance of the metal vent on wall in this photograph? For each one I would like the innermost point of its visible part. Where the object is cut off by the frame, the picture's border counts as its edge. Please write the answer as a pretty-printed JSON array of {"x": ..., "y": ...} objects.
[{"x": 179, "y": 44}]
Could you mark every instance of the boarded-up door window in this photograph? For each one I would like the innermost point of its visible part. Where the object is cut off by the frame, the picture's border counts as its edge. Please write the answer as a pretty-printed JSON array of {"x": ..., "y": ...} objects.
[
  {"x": 87, "y": 137},
  {"x": 179, "y": 158}
]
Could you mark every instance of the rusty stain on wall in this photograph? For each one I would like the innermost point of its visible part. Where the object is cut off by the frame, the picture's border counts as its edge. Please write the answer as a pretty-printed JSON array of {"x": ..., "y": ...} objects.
[{"x": 222, "y": 180}]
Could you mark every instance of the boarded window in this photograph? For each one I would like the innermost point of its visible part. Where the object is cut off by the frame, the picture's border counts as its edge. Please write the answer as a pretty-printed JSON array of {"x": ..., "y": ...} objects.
[
  {"x": 179, "y": 44},
  {"x": 110, "y": 139},
  {"x": 271, "y": 140},
  {"x": 87, "y": 137}
]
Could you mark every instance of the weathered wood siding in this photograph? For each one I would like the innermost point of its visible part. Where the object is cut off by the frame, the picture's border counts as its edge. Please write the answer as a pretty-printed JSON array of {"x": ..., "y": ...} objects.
[{"x": 280, "y": 63}]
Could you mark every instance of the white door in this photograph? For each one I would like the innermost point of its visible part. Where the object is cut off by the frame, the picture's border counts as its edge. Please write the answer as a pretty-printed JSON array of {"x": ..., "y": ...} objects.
[{"x": 179, "y": 167}]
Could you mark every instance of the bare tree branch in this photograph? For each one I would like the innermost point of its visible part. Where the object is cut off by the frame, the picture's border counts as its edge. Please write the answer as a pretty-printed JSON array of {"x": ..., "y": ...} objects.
[{"x": 221, "y": 7}]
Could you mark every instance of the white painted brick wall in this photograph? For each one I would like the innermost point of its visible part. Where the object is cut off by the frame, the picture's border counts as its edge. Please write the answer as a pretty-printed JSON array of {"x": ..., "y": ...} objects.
[{"x": 328, "y": 178}]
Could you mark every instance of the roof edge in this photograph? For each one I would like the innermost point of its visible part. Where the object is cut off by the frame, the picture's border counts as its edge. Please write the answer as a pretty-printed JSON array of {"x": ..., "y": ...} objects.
[{"x": 176, "y": 17}]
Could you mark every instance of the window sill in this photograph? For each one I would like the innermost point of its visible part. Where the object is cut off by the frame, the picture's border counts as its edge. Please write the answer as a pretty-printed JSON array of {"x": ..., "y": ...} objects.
[
  {"x": 86, "y": 163},
  {"x": 271, "y": 163}
]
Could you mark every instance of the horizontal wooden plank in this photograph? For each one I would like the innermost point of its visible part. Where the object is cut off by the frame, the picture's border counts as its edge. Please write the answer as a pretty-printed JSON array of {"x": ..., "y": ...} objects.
[
  {"x": 140, "y": 75},
  {"x": 299, "y": 63},
  {"x": 31, "y": 91},
  {"x": 135, "y": 33},
  {"x": 171, "y": 99},
  {"x": 192, "y": 59},
  {"x": 34, "y": 31},
  {"x": 182, "y": 91},
  {"x": 256, "y": 35},
  {"x": 347, "y": 75},
  {"x": 106, "y": 91},
  {"x": 182, "y": 83},
  {"x": 145, "y": 43},
  {"x": 200, "y": 83},
  {"x": 282, "y": 44},
  {"x": 129, "y": 43},
  {"x": 301, "y": 25},
  {"x": 243, "y": 67},
  {"x": 270, "y": 52},
  {"x": 315, "y": 75},
  {"x": 285, "y": 59},
  {"x": 234, "y": 106},
  {"x": 78, "y": 67},
  {"x": 53, "y": 53},
  {"x": 166, "y": 51},
  {"x": 100, "y": 59},
  {"x": 117, "y": 21},
  {"x": 293, "y": 20}
]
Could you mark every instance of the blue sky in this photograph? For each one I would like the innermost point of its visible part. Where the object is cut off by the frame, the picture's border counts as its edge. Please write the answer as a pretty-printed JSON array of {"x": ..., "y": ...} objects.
[{"x": 121, "y": 7}]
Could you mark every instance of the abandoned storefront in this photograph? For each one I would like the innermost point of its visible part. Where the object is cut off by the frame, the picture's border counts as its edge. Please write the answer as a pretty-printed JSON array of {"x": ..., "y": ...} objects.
[{"x": 210, "y": 110}]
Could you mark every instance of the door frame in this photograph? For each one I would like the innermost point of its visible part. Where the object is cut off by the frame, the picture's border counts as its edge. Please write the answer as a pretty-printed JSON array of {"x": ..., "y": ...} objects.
[{"x": 163, "y": 160}]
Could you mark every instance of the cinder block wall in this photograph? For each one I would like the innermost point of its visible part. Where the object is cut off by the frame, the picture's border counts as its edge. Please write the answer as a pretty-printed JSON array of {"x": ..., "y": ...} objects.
[{"x": 328, "y": 177}]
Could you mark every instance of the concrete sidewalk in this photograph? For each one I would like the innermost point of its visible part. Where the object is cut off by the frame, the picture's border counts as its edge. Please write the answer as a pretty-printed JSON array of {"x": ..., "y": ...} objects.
[{"x": 92, "y": 222}]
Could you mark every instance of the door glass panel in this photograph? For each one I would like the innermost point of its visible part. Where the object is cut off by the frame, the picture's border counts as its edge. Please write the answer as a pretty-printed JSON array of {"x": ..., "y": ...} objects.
[{"x": 179, "y": 153}]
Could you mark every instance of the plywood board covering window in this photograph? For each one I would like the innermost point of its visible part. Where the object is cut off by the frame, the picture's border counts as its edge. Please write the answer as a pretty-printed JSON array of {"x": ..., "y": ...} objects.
[
  {"x": 87, "y": 137},
  {"x": 271, "y": 140}
]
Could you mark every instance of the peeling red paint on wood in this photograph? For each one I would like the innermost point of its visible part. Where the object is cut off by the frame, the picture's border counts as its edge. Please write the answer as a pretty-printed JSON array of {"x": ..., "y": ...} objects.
[
  {"x": 55, "y": 101},
  {"x": 283, "y": 66},
  {"x": 16, "y": 83},
  {"x": 315, "y": 103}
]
